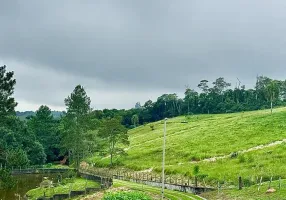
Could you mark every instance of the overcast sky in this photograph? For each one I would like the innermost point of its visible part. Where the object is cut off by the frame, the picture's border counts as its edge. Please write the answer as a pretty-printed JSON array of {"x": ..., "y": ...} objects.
[{"x": 124, "y": 51}]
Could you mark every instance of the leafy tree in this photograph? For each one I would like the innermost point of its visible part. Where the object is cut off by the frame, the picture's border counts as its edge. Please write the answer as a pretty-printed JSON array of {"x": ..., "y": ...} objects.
[
  {"x": 114, "y": 133},
  {"x": 135, "y": 120},
  {"x": 138, "y": 105},
  {"x": 272, "y": 92},
  {"x": 191, "y": 97},
  {"x": 45, "y": 128},
  {"x": 17, "y": 157},
  {"x": 36, "y": 154},
  {"x": 220, "y": 85}
]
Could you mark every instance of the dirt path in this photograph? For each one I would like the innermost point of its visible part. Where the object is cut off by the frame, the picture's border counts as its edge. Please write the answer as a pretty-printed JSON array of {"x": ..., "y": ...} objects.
[{"x": 213, "y": 159}]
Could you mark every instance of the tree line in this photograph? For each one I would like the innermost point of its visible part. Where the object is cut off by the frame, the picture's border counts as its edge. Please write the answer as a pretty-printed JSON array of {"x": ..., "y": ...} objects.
[
  {"x": 209, "y": 98},
  {"x": 41, "y": 138},
  {"x": 81, "y": 131}
]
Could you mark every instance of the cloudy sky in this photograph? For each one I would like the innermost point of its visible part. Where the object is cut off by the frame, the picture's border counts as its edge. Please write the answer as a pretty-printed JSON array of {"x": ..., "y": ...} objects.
[{"x": 124, "y": 51}]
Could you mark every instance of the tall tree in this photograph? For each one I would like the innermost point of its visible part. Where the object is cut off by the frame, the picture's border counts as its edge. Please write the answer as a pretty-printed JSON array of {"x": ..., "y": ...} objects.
[
  {"x": 76, "y": 124},
  {"x": 272, "y": 92},
  {"x": 191, "y": 97},
  {"x": 114, "y": 133},
  {"x": 204, "y": 99},
  {"x": 7, "y": 102},
  {"x": 135, "y": 120},
  {"x": 45, "y": 128}
]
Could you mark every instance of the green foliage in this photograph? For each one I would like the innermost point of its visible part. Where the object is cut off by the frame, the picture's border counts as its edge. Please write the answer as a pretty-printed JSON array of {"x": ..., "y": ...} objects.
[
  {"x": 36, "y": 154},
  {"x": 76, "y": 124},
  {"x": 126, "y": 196},
  {"x": 45, "y": 128},
  {"x": 7, "y": 102},
  {"x": 196, "y": 170},
  {"x": 241, "y": 158},
  {"x": 114, "y": 134},
  {"x": 76, "y": 184},
  {"x": 135, "y": 120},
  {"x": 6, "y": 180},
  {"x": 17, "y": 158}
]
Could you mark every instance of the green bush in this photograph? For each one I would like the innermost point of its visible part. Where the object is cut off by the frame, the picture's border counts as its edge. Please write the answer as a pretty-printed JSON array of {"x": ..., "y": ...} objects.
[
  {"x": 6, "y": 180},
  {"x": 241, "y": 159},
  {"x": 126, "y": 196}
]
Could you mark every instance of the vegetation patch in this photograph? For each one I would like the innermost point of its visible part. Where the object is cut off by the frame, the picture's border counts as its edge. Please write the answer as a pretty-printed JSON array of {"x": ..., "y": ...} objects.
[
  {"x": 208, "y": 136},
  {"x": 127, "y": 196},
  {"x": 67, "y": 185},
  {"x": 277, "y": 191}
]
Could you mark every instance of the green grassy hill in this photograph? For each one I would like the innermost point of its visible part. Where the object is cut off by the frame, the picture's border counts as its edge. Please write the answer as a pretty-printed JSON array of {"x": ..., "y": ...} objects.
[{"x": 208, "y": 136}]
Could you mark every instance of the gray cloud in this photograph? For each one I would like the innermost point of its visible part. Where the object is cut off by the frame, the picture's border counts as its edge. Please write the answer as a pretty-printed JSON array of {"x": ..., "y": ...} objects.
[{"x": 141, "y": 48}]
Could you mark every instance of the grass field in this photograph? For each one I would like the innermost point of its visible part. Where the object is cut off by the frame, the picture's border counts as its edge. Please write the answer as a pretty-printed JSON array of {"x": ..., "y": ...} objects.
[
  {"x": 172, "y": 195},
  {"x": 206, "y": 136},
  {"x": 250, "y": 193}
]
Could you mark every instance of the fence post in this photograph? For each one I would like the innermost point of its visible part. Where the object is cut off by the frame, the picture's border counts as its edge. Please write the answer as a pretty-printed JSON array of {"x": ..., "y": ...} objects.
[
  {"x": 240, "y": 183},
  {"x": 269, "y": 186},
  {"x": 260, "y": 183}
]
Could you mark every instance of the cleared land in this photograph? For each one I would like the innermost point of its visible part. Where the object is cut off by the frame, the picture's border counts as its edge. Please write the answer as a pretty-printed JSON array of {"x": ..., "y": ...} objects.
[{"x": 191, "y": 140}]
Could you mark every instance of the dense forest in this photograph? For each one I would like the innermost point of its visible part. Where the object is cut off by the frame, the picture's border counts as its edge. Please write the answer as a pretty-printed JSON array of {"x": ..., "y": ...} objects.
[
  {"x": 81, "y": 131},
  {"x": 216, "y": 97}
]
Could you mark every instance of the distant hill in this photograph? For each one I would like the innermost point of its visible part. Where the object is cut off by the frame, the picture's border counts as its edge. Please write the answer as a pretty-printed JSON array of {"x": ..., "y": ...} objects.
[{"x": 23, "y": 115}]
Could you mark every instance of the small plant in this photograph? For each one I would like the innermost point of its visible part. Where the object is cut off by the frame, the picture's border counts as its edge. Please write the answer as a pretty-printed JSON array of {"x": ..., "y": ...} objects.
[
  {"x": 152, "y": 127},
  {"x": 241, "y": 159},
  {"x": 196, "y": 172},
  {"x": 195, "y": 158},
  {"x": 250, "y": 159},
  {"x": 49, "y": 165}
]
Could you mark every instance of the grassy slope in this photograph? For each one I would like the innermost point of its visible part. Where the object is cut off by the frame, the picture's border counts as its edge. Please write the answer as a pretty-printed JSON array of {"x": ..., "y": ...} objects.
[
  {"x": 206, "y": 136},
  {"x": 250, "y": 193}
]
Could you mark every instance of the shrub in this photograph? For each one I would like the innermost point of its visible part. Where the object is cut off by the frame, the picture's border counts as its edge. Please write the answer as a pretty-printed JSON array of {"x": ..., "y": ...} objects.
[
  {"x": 6, "y": 180},
  {"x": 233, "y": 154},
  {"x": 152, "y": 127},
  {"x": 126, "y": 196},
  {"x": 241, "y": 159}
]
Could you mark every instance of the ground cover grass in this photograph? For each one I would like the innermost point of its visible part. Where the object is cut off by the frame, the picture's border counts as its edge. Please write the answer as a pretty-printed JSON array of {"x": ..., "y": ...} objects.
[
  {"x": 75, "y": 184},
  {"x": 126, "y": 195},
  {"x": 120, "y": 186},
  {"x": 172, "y": 195},
  {"x": 250, "y": 193},
  {"x": 206, "y": 136},
  {"x": 265, "y": 163}
]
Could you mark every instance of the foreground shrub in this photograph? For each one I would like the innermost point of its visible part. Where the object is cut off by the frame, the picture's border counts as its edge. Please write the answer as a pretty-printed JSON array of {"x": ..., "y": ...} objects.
[{"x": 126, "y": 196}]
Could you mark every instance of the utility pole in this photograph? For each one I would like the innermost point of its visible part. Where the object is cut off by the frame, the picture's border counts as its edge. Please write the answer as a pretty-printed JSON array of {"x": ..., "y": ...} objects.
[{"x": 163, "y": 162}]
